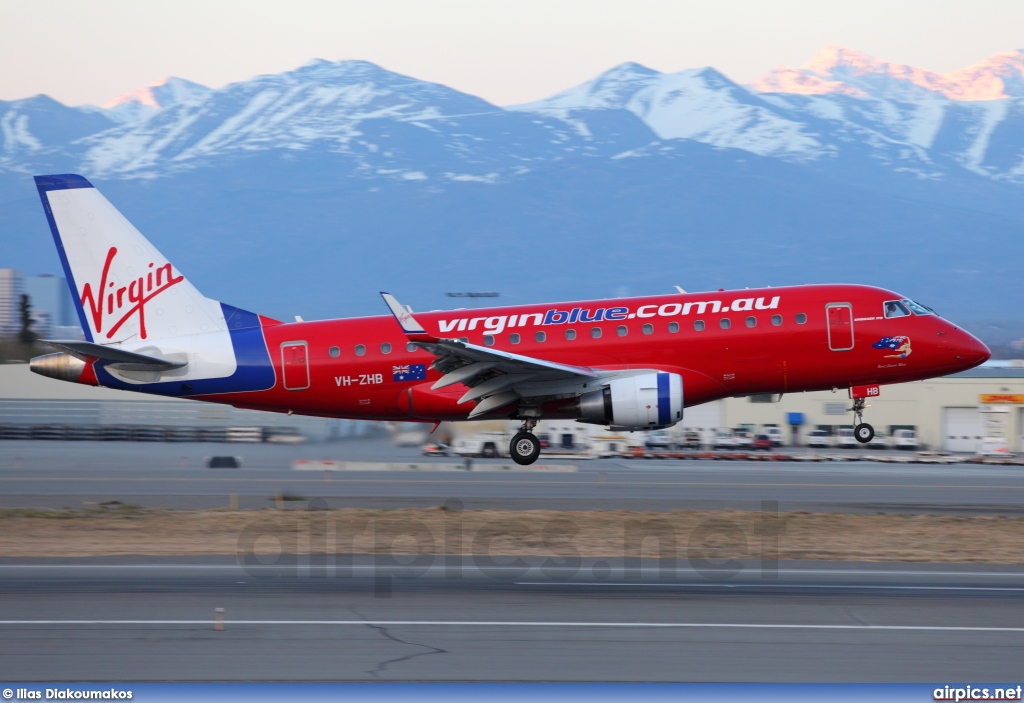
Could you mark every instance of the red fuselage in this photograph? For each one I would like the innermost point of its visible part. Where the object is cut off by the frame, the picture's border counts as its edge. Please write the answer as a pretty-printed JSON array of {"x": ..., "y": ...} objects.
[{"x": 724, "y": 343}]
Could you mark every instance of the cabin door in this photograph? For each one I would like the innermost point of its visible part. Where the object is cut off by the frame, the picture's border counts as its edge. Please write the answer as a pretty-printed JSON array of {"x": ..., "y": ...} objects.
[
  {"x": 840, "y": 326},
  {"x": 295, "y": 365}
]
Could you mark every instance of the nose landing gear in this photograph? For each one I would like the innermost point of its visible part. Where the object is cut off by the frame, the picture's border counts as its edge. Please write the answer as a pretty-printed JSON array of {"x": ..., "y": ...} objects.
[
  {"x": 862, "y": 432},
  {"x": 525, "y": 447}
]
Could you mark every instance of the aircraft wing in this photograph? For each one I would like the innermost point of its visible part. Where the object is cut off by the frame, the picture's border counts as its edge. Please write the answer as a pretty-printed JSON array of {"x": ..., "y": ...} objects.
[{"x": 495, "y": 378}]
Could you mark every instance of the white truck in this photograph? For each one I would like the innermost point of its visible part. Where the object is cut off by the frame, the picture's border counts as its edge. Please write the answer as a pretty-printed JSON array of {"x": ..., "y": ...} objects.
[
  {"x": 818, "y": 439},
  {"x": 486, "y": 444},
  {"x": 723, "y": 440},
  {"x": 845, "y": 438},
  {"x": 905, "y": 439},
  {"x": 774, "y": 433},
  {"x": 659, "y": 440}
]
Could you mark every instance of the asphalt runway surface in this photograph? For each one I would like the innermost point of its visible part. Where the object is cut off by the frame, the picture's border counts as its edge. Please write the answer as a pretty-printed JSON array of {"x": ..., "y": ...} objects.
[
  {"x": 152, "y": 618},
  {"x": 136, "y": 619},
  {"x": 72, "y": 474}
]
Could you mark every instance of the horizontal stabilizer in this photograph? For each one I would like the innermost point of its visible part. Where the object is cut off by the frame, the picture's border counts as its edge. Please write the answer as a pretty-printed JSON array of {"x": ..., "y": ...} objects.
[{"x": 83, "y": 350}]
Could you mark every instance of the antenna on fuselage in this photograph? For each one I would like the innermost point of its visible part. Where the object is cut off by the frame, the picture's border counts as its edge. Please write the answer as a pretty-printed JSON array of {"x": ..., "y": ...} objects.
[{"x": 679, "y": 289}]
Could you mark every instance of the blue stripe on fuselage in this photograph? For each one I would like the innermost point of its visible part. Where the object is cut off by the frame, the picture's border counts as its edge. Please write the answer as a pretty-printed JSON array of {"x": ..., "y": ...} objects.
[
  {"x": 664, "y": 400},
  {"x": 254, "y": 371}
]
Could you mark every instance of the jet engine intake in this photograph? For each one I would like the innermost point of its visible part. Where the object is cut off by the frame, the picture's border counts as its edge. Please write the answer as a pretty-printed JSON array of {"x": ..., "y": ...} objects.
[{"x": 643, "y": 402}]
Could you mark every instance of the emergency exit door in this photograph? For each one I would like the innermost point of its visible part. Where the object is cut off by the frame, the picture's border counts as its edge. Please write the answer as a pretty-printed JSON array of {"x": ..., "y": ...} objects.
[
  {"x": 840, "y": 326},
  {"x": 295, "y": 365}
]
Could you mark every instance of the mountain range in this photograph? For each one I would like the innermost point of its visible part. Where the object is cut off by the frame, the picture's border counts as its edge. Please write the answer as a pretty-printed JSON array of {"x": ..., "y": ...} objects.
[{"x": 306, "y": 192}]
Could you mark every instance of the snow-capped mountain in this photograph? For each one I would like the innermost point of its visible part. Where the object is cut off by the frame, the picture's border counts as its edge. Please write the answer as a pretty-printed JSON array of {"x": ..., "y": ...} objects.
[
  {"x": 969, "y": 118},
  {"x": 382, "y": 123},
  {"x": 317, "y": 182},
  {"x": 35, "y": 128},
  {"x": 840, "y": 103},
  {"x": 141, "y": 103},
  {"x": 700, "y": 104},
  {"x": 836, "y": 69}
]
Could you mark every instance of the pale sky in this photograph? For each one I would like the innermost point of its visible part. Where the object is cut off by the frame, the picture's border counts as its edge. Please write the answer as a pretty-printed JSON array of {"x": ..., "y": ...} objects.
[{"x": 505, "y": 52}]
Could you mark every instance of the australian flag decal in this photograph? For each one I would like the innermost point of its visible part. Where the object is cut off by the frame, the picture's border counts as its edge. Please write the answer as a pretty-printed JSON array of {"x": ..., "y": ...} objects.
[
  {"x": 900, "y": 345},
  {"x": 409, "y": 372},
  {"x": 893, "y": 343}
]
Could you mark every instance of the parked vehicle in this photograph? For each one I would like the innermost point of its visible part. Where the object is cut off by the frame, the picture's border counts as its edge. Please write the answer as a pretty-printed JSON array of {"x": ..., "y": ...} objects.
[
  {"x": 723, "y": 440},
  {"x": 742, "y": 439},
  {"x": 845, "y": 438},
  {"x": 435, "y": 449},
  {"x": 409, "y": 438},
  {"x": 483, "y": 444},
  {"x": 762, "y": 442},
  {"x": 879, "y": 441},
  {"x": 993, "y": 446},
  {"x": 658, "y": 440},
  {"x": 774, "y": 434},
  {"x": 818, "y": 438},
  {"x": 691, "y": 439},
  {"x": 607, "y": 446},
  {"x": 905, "y": 439}
]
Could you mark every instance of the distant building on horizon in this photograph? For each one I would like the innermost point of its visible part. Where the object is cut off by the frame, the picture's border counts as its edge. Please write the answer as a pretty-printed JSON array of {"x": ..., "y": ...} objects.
[
  {"x": 10, "y": 297},
  {"x": 50, "y": 299},
  {"x": 53, "y": 314}
]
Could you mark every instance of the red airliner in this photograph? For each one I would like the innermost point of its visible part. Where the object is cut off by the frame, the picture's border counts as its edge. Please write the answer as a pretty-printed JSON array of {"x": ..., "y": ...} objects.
[{"x": 627, "y": 363}]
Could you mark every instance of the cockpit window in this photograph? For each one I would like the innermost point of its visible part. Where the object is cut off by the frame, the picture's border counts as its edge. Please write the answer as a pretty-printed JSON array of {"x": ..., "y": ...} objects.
[
  {"x": 917, "y": 307},
  {"x": 895, "y": 308}
]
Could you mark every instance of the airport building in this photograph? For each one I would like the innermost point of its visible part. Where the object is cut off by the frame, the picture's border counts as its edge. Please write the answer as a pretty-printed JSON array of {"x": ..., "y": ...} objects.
[
  {"x": 11, "y": 285},
  {"x": 33, "y": 406},
  {"x": 53, "y": 314},
  {"x": 954, "y": 413}
]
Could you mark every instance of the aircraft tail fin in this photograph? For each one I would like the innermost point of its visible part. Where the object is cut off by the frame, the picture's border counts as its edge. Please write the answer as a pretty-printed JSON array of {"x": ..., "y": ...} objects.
[{"x": 124, "y": 289}]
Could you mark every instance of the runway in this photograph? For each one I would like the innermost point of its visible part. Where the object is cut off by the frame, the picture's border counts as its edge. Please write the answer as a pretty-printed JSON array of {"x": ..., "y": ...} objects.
[
  {"x": 140, "y": 619},
  {"x": 67, "y": 474},
  {"x": 374, "y": 618}
]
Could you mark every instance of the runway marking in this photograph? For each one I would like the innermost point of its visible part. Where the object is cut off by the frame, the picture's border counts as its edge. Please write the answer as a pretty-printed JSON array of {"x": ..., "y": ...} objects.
[
  {"x": 372, "y": 568},
  {"x": 847, "y": 586},
  {"x": 482, "y": 480},
  {"x": 537, "y": 624}
]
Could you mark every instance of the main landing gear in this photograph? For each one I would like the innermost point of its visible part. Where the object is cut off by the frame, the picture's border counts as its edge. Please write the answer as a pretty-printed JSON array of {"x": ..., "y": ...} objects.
[
  {"x": 862, "y": 432},
  {"x": 525, "y": 447}
]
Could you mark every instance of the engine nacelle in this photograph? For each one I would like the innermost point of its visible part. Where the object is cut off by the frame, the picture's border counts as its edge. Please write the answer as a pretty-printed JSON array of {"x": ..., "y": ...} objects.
[{"x": 644, "y": 402}]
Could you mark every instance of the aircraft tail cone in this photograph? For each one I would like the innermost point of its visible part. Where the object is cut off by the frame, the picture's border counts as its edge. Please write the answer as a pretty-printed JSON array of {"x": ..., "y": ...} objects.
[{"x": 60, "y": 366}]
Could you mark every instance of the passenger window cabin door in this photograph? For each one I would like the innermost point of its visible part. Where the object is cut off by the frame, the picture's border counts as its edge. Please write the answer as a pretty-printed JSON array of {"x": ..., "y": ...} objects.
[
  {"x": 295, "y": 365},
  {"x": 840, "y": 326}
]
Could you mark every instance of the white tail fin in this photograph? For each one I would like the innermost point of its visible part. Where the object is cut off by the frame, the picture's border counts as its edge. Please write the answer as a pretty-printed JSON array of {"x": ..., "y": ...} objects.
[{"x": 124, "y": 289}]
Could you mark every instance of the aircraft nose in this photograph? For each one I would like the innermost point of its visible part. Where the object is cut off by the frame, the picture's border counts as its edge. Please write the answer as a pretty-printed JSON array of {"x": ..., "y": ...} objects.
[{"x": 970, "y": 350}]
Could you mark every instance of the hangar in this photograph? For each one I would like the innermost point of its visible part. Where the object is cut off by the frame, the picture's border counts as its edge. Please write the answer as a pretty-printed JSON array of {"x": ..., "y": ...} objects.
[{"x": 954, "y": 413}]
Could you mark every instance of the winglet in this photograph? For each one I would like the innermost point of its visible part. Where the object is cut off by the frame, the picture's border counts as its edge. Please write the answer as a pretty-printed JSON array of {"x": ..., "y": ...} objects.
[{"x": 405, "y": 319}]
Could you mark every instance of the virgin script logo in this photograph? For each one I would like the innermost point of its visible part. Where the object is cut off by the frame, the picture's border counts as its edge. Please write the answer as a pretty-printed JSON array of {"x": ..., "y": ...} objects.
[{"x": 128, "y": 300}]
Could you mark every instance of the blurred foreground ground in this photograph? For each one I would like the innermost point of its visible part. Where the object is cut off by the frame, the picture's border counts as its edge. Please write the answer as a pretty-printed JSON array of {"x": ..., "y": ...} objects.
[{"x": 729, "y": 534}]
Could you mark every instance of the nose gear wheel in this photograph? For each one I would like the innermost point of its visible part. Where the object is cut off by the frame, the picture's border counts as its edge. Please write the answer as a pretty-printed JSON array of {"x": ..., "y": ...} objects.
[{"x": 863, "y": 432}]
